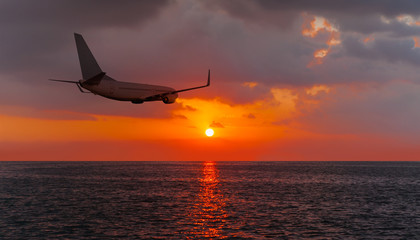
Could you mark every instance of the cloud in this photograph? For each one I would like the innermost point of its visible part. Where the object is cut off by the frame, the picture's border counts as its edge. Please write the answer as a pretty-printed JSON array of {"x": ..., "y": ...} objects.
[
  {"x": 189, "y": 108},
  {"x": 247, "y": 9},
  {"x": 138, "y": 42},
  {"x": 179, "y": 116},
  {"x": 250, "y": 84},
  {"x": 314, "y": 27},
  {"x": 37, "y": 32},
  {"x": 250, "y": 116},
  {"x": 25, "y": 112},
  {"x": 385, "y": 111},
  {"x": 393, "y": 24},
  {"x": 215, "y": 124},
  {"x": 384, "y": 49},
  {"x": 38, "y": 44}
]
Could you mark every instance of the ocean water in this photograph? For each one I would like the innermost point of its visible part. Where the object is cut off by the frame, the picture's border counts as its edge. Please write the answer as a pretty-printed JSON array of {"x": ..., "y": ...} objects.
[{"x": 209, "y": 200}]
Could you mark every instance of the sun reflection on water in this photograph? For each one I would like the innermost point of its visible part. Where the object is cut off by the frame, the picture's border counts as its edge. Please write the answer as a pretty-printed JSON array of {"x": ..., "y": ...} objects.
[{"x": 209, "y": 215}]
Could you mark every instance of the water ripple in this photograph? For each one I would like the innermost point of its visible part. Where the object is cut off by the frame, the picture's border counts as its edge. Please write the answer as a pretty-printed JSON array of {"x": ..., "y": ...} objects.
[{"x": 210, "y": 200}]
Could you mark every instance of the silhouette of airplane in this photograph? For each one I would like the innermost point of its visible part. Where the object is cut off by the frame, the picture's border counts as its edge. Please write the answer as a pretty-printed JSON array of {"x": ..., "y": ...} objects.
[{"x": 97, "y": 82}]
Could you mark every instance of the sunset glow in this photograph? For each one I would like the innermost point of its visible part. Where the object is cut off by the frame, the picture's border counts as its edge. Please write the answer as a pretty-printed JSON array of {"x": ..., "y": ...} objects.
[
  {"x": 320, "y": 29},
  {"x": 288, "y": 83}
]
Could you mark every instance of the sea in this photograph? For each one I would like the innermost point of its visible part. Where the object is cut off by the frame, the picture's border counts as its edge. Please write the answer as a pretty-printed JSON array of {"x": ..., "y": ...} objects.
[{"x": 209, "y": 200}]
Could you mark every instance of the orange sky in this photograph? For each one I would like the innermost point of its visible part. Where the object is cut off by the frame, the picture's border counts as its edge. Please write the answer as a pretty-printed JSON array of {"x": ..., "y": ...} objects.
[{"x": 273, "y": 128}]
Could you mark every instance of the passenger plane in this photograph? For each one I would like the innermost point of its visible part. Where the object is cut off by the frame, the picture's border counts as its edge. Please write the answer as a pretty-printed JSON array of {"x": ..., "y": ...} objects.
[{"x": 97, "y": 82}]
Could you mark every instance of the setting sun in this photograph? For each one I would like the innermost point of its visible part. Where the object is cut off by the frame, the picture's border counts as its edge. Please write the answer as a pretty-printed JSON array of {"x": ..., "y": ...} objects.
[{"x": 209, "y": 132}]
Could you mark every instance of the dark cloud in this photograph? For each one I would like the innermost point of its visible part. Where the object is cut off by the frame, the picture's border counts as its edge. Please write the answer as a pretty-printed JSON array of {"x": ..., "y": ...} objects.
[
  {"x": 384, "y": 49},
  {"x": 37, "y": 43},
  {"x": 180, "y": 116},
  {"x": 255, "y": 11},
  {"x": 34, "y": 33},
  {"x": 215, "y": 124},
  {"x": 250, "y": 116},
  {"x": 174, "y": 43},
  {"x": 249, "y": 8},
  {"x": 78, "y": 14},
  {"x": 357, "y": 16},
  {"x": 282, "y": 58},
  {"x": 189, "y": 108},
  {"x": 390, "y": 109},
  {"x": 372, "y": 24},
  {"x": 361, "y": 7},
  {"x": 44, "y": 114}
]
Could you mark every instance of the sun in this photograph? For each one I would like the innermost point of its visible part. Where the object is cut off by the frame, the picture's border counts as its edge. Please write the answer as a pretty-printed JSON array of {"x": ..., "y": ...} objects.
[{"x": 209, "y": 132}]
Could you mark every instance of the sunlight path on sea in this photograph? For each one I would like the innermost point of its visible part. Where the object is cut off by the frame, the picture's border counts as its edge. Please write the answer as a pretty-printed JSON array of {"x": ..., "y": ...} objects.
[{"x": 208, "y": 214}]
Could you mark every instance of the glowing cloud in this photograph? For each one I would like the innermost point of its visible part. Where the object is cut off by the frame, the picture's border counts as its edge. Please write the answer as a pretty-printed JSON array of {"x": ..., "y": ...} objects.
[
  {"x": 250, "y": 84},
  {"x": 313, "y": 27},
  {"x": 276, "y": 111},
  {"x": 215, "y": 124},
  {"x": 317, "y": 89},
  {"x": 416, "y": 42},
  {"x": 212, "y": 113},
  {"x": 408, "y": 20},
  {"x": 369, "y": 39}
]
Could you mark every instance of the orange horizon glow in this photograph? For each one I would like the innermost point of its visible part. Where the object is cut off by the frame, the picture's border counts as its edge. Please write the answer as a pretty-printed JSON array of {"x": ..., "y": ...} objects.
[
  {"x": 275, "y": 127},
  {"x": 271, "y": 134}
]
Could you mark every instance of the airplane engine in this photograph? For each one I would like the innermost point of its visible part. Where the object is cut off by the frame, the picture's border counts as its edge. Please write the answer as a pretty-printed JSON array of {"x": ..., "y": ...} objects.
[{"x": 170, "y": 98}]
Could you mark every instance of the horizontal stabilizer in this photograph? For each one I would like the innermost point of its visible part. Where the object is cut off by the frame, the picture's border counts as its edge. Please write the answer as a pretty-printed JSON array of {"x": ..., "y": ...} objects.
[{"x": 66, "y": 81}]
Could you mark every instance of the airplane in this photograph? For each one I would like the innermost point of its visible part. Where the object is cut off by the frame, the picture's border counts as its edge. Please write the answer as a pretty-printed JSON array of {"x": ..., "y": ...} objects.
[{"x": 99, "y": 83}]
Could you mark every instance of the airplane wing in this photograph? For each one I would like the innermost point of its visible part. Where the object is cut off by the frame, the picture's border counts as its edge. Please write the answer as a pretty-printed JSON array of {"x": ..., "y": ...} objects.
[
  {"x": 160, "y": 95},
  {"x": 188, "y": 89}
]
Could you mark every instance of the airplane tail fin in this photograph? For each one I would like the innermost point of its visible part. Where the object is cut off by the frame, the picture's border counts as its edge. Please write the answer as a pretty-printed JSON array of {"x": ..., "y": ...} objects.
[{"x": 88, "y": 64}]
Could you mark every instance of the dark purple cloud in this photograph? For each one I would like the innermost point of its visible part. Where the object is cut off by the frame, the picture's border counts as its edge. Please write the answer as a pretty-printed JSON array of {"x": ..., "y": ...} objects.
[
  {"x": 351, "y": 61},
  {"x": 253, "y": 9},
  {"x": 388, "y": 110},
  {"x": 215, "y": 124},
  {"x": 384, "y": 49},
  {"x": 34, "y": 33},
  {"x": 175, "y": 42},
  {"x": 37, "y": 43}
]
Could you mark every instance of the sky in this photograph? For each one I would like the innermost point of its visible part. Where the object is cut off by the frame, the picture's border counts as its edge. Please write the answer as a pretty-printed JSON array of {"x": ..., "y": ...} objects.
[{"x": 334, "y": 80}]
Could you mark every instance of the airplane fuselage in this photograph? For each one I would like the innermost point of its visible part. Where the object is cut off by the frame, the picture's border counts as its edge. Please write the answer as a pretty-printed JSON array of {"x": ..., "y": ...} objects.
[{"x": 126, "y": 91}]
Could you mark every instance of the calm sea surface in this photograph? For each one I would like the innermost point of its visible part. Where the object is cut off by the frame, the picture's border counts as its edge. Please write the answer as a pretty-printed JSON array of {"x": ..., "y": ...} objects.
[{"x": 215, "y": 200}]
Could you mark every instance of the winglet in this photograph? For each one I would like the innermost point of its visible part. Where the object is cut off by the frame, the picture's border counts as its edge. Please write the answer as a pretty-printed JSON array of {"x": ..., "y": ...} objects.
[
  {"x": 208, "y": 79},
  {"x": 187, "y": 89}
]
